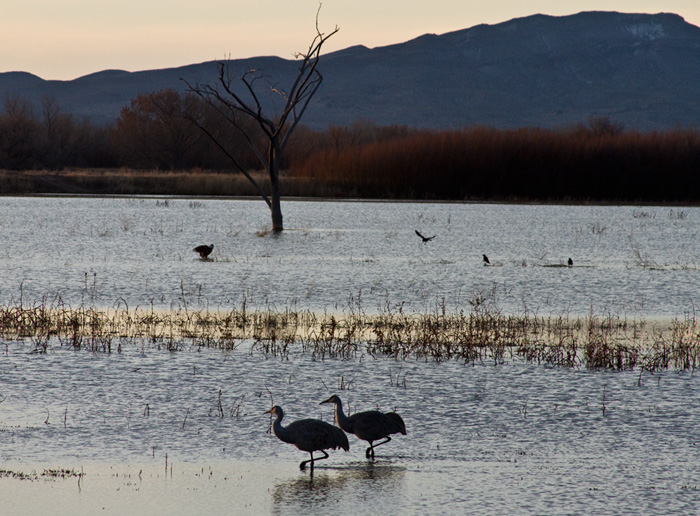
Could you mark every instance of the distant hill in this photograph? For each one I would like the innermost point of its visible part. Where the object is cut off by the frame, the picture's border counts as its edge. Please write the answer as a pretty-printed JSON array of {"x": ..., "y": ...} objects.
[{"x": 637, "y": 69}]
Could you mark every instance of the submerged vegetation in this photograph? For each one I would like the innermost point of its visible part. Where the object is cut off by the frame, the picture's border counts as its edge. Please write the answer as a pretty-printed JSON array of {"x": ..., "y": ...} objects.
[
  {"x": 481, "y": 335},
  {"x": 46, "y": 474}
]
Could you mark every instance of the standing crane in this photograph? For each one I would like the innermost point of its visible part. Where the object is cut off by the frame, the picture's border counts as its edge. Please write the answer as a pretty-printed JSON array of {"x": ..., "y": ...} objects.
[
  {"x": 368, "y": 426},
  {"x": 309, "y": 435}
]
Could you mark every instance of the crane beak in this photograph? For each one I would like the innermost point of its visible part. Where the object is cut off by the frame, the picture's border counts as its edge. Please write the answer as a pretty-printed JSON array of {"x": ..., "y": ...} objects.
[
  {"x": 327, "y": 401},
  {"x": 270, "y": 411}
]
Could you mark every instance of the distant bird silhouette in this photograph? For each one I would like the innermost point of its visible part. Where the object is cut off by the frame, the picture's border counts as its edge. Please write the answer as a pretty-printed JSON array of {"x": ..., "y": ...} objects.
[
  {"x": 309, "y": 435},
  {"x": 486, "y": 260},
  {"x": 570, "y": 262},
  {"x": 368, "y": 426},
  {"x": 204, "y": 250},
  {"x": 425, "y": 238}
]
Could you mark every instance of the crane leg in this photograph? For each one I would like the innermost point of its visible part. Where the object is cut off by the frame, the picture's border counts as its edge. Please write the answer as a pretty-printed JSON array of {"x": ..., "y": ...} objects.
[
  {"x": 370, "y": 451},
  {"x": 302, "y": 466}
]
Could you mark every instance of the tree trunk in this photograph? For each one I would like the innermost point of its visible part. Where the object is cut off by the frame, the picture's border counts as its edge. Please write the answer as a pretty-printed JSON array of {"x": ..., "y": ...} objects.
[{"x": 275, "y": 206}]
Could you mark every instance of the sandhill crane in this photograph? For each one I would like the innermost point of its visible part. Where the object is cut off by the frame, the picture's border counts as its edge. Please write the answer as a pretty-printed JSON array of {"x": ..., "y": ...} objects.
[
  {"x": 309, "y": 435},
  {"x": 204, "y": 250},
  {"x": 486, "y": 260},
  {"x": 368, "y": 426},
  {"x": 425, "y": 238}
]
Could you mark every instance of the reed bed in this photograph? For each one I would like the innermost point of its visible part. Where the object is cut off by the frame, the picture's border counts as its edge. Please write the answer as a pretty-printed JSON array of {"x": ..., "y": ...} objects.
[
  {"x": 599, "y": 162},
  {"x": 480, "y": 335}
]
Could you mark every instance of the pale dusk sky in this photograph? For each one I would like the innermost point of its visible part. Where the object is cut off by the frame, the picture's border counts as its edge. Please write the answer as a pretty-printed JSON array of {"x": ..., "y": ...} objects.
[{"x": 66, "y": 39}]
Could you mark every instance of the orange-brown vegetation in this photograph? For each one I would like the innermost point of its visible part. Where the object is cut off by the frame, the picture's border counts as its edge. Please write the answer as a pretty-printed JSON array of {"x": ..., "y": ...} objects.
[
  {"x": 598, "y": 162},
  {"x": 153, "y": 148}
]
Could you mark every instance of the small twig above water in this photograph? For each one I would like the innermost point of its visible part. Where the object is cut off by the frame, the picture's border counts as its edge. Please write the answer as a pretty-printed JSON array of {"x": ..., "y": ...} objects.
[{"x": 181, "y": 428}]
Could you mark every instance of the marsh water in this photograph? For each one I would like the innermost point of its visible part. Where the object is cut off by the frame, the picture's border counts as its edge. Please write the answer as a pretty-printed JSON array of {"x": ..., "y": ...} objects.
[
  {"x": 184, "y": 432},
  {"x": 628, "y": 261}
]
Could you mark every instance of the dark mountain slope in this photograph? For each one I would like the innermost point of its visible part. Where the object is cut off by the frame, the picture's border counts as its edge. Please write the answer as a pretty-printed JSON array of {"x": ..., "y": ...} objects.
[{"x": 641, "y": 70}]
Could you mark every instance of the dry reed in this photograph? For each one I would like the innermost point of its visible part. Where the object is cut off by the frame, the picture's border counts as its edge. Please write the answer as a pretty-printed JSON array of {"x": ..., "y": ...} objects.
[{"x": 481, "y": 335}]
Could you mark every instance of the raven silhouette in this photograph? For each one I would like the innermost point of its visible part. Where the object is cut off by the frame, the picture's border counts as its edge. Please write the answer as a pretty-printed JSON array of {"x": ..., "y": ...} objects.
[{"x": 425, "y": 238}]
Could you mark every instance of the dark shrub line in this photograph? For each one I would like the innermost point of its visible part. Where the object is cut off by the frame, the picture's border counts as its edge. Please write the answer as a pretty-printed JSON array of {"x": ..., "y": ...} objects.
[
  {"x": 594, "y": 162},
  {"x": 579, "y": 164}
]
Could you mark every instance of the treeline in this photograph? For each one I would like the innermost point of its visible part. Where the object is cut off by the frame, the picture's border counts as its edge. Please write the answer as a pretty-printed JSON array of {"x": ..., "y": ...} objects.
[
  {"x": 594, "y": 161},
  {"x": 44, "y": 137},
  {"x": 154, "y": 132}
]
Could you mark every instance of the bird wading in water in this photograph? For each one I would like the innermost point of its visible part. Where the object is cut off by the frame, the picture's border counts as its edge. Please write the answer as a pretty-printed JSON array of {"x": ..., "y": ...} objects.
[
  {"x": 368, "y": 426},
  {"x": 204, "y": 250},
  {"x": 309, "y": 435}
]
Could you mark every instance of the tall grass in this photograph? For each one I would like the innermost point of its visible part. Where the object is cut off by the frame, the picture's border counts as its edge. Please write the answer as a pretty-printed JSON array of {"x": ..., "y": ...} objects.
[
  {"x": 480, "y": 335},
  {"x": 581, "y": 164}
]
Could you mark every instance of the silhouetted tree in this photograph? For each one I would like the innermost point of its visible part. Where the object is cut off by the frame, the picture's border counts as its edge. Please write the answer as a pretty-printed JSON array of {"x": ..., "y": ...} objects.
[
  {"x": 64, "y": 141},
  {"x": 42, "y": 136},
  {"x": 19, "y": 130},
  {"x": 603, "y": 126},
  {"x": 272, "y": 133},
  {"x": 154, "y": 131}
]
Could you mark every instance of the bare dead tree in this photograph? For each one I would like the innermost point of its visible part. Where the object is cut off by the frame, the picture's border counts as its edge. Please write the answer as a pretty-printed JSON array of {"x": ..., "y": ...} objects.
[{"x": 239, "y": 109}]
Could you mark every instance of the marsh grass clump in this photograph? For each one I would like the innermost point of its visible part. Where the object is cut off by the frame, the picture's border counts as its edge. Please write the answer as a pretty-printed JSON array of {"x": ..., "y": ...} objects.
[
  {"x": 47, "y": 474},
  {"x": 679, "y": 348},
  {"x": 480, "y": 334},
  {"x": 606, "y": 345}
]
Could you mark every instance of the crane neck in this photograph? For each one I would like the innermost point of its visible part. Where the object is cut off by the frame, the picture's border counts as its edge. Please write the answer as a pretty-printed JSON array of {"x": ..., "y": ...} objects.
[
  {"x": 281, "y": 432},
  {"x": 340, "y": 417}
]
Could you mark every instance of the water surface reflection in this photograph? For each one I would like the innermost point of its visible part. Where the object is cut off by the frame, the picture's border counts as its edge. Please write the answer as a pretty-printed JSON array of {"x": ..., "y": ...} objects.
[{"x": 352, "y": 486}]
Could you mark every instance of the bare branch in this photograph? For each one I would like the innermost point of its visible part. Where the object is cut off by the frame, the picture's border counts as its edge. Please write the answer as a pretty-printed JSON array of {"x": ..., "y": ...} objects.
[
  {"x": 233, "y": 159},
  {"x": 231, "y": 104}
]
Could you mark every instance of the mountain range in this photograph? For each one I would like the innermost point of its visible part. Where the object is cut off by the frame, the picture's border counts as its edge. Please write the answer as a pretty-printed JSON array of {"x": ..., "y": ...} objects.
[{"x": 640, "y": 70}]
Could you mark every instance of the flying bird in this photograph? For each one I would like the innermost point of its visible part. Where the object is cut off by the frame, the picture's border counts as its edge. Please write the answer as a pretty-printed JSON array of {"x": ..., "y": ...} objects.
[
  {"x": 309, "y": 435},
  {"x": 425, "y": 238},
  {"x": 204, "y": 250},
  {"x": 368, "y": 426},
  {"x": 486, "y": 260},
  {"x": 570, "y": 262}
]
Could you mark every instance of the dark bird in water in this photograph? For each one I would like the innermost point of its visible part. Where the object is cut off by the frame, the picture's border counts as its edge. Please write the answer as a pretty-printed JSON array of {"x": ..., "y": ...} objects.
[
  {"x": 368, "y": 426},
  {"x": 204, "y": 250},
  {"x": 425, "y": 238},
  {"x": 486, "y": 260},
  {"x": 309, "y": 435},
  {"x": 570, "y": 262}
]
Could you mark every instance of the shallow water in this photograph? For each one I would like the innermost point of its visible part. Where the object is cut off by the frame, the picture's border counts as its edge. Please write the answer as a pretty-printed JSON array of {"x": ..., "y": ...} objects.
[
  {"x": 628, "y": 261},
  {"x": 144, "y": 425},
  {"x": 506, "y": 439}
]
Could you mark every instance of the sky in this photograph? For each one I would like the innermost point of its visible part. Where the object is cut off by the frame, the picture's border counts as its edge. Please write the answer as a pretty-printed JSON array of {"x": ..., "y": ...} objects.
[{"x": 66, "y": 39}]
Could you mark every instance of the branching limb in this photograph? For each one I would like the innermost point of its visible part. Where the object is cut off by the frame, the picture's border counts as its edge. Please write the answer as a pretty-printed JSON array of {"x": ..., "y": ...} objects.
[{"x": 232, "y": 104}]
